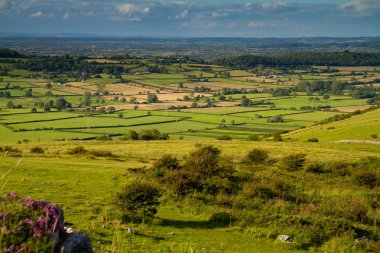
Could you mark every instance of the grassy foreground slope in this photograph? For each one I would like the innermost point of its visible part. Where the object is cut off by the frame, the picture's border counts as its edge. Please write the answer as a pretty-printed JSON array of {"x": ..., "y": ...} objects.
[
  {"x": 362, "y": 127},
  {"x": 85, "y": 185}
]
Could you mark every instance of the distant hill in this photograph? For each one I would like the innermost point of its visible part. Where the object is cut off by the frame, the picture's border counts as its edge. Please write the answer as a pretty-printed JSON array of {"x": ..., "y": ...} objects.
[
  {"x": 362, "y": 127},
  {"x": 7, "y": 53}
]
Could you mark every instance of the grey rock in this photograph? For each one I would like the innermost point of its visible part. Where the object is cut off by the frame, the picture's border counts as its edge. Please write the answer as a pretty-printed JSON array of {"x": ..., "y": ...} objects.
[
  {"x": 285, "y": 238},
  {"x": 76, "y": 243}
]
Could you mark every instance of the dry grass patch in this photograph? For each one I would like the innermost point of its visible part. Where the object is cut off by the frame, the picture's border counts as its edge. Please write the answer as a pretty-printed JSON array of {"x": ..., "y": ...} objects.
[{"x": 352, "y": 108}]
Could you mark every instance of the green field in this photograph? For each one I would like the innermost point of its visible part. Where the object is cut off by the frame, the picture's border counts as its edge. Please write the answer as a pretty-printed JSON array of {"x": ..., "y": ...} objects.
[
  {"x": 362, "y": 127},
  {"x": 90, "y": 185}
]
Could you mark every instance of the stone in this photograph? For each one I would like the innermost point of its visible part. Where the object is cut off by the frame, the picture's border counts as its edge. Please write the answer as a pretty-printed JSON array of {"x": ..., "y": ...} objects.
[
  {"x": 76, "y": 243},
  {"x": 285, "y": 238}
]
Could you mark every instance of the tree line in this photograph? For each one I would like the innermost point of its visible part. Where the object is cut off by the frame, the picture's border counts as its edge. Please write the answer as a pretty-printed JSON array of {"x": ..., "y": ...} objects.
[{"x": 344, "y": 58}]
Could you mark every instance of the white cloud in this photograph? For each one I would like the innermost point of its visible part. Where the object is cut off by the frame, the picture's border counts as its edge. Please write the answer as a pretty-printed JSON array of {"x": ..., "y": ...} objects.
[
  {"x": 217, "y": 14},
  {"x": 129, "y": 9},
  {"x": 232, "y": 25},
  {"x": 126, "y": 8},
  {"x": 146, "y": 10},
  {"x": 66, "y": 16},
  {"x": 360, "y": 8},
  {"x": 182, "y": 15},
  {"x": 37, "y": 14},
  {"x": 212, "y": 25},
  {"x": 272, "y": 6},
  {"x": 3, "y": 4},
  {"x": 256, "y": 24}
]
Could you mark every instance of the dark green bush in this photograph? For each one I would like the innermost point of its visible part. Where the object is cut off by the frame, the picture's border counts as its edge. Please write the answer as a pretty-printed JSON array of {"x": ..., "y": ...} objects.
[
  {"x": 366, "y": 178},
  {"x": 168, "y": 162},
  {"x": 152, "y": 134},
  {"x": 256, "y": 156},
  {"x": 221, "y": 219},
  {"x": 316, "y": 168},
  {"x": 37, "y": 150},
  {"x": 293, "y": 162},
  {"x": 104, "y": 138},
  {"x": 138, "y": 201},
  {"x": 340, "y": 168},
  {"x": 102, "y": 153},
  {"x": 79, "y": 150},
  {"x": 224, "y": 138}
]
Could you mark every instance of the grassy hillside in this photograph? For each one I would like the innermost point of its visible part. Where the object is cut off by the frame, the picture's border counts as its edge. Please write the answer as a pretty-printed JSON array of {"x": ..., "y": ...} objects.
[
  {"x": 85, "y": 185},
  {"x": 362, "y": 127}
]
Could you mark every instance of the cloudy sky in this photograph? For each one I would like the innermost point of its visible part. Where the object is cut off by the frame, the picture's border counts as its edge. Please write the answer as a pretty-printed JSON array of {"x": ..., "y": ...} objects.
[{"x": 193, "y": 18}]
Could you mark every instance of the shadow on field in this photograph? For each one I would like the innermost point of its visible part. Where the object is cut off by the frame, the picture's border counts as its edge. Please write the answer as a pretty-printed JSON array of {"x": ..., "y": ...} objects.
[
  {"x": 190, "y": 224},
  {"x": 156, "y": 238}
]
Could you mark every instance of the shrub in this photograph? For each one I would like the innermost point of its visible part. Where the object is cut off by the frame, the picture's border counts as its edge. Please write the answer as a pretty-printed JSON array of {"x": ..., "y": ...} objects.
[
  {"x": 317, "y": 168},
  {"x": 79, "y": 150},
  {"x": 167, "y": 161},
  {"x": 341, "y": 168},
  {"x": 152, "y": 134},
  {"x": 10, "y": 149},
  {"x": 203, "y": 171},
  {"x": 37, "y": 150},
  {"x": 138, "y": 200},
  {"x": 313, "y": 140},
  {"x": 274, "y": 119},
  {"x": 104, "y": 138},
  {"x": 224, "y": 138},
  {"x": 28, "y": 225},
  {"x": 102, "y": 153},
  {"x": 277, "y": 137},
  {"x": 221, "y": 219},
  {"x": 367, "y": 179},
  {"x": 293, "y": 162},
  {"x": 253, "y": 137},
  {"x": 256, "y": 156}
]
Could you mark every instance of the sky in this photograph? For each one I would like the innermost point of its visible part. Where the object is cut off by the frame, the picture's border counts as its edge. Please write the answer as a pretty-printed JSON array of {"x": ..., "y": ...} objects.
[{"x": 192, "y": 18}]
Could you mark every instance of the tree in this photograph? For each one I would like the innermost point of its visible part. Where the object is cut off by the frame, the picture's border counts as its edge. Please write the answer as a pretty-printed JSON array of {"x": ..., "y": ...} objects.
[
  {"x": 60, "y": 103},
  {"x": 111, "y": 109},
  {"x": 10, "y": 105},
  {"x": 326, "y": 97},
  {"x": 33, "y": 110},
  {"x": 47, "y": 107},
  {"x": 246, "y": 102},
  {"x": 87, "y": 98},
  {"x": 152, "y": 98},
  {"x": 132, "y": 135},
  {"x": 138, "y": 200},
  {"x": 120, "y": 115},
  {"x": 28, "y": 93}
]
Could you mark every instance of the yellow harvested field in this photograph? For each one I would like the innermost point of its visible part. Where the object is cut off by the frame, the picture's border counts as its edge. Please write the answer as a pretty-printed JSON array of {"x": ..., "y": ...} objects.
[
  {"x": 73, "y": 90},
  {"x": 127, "y": 89},
  {"x": 226, "y": 104},
  {"x": 376, "y": 85},
  {"x": 157, "y": 106},
  {"x": 175, "y": 96},
  {"x": 217, "y": 85},
  {"x": 352, "y": 108}
]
